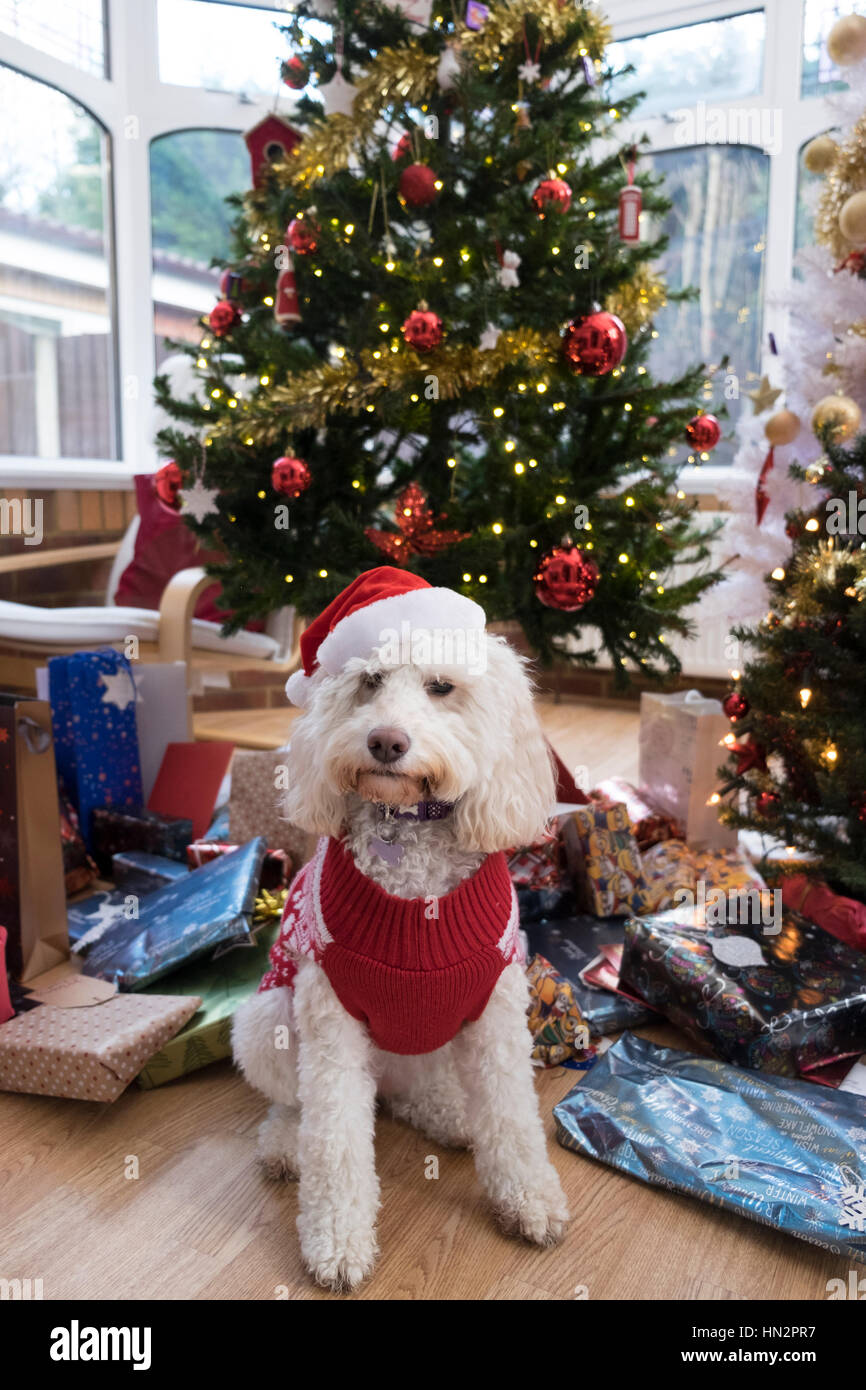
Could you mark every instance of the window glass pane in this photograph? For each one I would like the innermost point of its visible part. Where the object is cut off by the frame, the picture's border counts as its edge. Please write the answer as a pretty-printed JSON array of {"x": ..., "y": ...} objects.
[
  {"x": 191, "y": 173},
  {"x": 819, "y": 16},
  {"x": 717, "y": 229},
  {"x": 56, "y": 340},
  {"x": 225, "y": 48},
  {"x": 72, "y": 30},
  {"x": 715, "y": 61}
]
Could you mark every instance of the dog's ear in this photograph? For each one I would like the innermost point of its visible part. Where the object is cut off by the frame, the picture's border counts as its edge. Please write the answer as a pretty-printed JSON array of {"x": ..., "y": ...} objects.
[
  {"x": 310, "y": 803},
  {"x": 515, "y": 788}
]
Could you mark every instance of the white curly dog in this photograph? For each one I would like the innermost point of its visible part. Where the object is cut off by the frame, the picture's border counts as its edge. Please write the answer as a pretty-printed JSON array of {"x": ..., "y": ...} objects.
[{"x": 398, "y": 971}]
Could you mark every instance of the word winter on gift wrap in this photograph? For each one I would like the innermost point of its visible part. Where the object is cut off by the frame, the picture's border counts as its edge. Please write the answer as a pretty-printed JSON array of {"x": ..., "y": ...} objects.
[
  {"x": 77, "y": 1343},
  {"x": 719, "y": 907},
  {"x": 465, "y": 647}
]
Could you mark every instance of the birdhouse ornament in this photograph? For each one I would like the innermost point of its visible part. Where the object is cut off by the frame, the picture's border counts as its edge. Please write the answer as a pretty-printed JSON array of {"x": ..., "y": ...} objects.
[{"x": 269, "y": 142}]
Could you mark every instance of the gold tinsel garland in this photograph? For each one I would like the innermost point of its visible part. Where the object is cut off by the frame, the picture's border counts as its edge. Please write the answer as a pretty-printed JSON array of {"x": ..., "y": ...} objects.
[
  {"x": 396, "y": 76},
  {"x": 311, "y": 397},
  {"x": 821, "y": 567},
  {"x": 504, "y": 26},
  {"x": 639, "y": 299},
  {"x": 846, "y": 175}
]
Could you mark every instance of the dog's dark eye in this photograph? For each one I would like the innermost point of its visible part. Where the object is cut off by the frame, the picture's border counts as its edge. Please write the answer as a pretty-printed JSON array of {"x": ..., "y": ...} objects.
[
  {"x": 440, "y": 688},
  {"x": 372, "y": 679}
]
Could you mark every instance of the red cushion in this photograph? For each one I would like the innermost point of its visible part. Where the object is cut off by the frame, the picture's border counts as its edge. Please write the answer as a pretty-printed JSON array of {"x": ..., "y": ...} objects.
[{"x": 164, "y": 545}]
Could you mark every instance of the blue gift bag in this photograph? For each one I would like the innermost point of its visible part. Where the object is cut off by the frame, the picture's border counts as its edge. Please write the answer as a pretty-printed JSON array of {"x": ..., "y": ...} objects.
[{"x": 95, "y": 733}]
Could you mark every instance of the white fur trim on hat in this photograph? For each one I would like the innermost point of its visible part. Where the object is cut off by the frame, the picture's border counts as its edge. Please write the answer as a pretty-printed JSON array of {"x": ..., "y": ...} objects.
[
  {"x": 361, "y": 633},
  {"x": 298, "y": 688}
]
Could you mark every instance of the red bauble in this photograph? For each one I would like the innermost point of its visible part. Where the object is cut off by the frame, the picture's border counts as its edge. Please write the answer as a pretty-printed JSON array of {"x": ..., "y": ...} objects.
[
  {"x": 736, "y": 706},
  {"x": 302, "y": 235},
  {"x": 703, "y": 432},
  {"x": 222, "y": 317},
  {"x": 594, "y": 345},
  {"x": 418, "y": 185},
  {"x": 767, "y": 805},
  {"x": 552, "y": 195},
  {"x": 290, "y": 476},
  {"x": 295, "y": 73},
  {"x": 565, "y": 579},
  {"x": 423, "y": 330},
  {"x": 402, "y": 147},
  {"x": 168, "y": 481}
]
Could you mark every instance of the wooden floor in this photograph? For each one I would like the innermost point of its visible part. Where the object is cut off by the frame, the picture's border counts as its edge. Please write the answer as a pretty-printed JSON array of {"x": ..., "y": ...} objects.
[{"x": 200, "y": 1222}]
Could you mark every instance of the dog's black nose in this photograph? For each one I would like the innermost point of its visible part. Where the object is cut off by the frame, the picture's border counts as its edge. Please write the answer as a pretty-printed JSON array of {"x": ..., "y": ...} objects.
[{"x": 387, "y": 744}]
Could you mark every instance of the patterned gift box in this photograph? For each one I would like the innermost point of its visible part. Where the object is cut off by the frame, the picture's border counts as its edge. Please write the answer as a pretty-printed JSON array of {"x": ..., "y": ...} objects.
[
  {"x": 95, "y": 732},
  {"x": 223, "y": 985},
  {"x": 649, "y": 824},
  {"x": 673, "y": 868},
  {"x": 89, "y": 1053},
  {"x": 115, "y": 832},
  {"x": 208, "y": 910},
  {"x": 603, "y": 860},
  {"x": 559, "y": 1031},
  {"x": 782, "y": 999},
  {"x": 277, "y": 869},
  {"x": 536, "y": 866}
]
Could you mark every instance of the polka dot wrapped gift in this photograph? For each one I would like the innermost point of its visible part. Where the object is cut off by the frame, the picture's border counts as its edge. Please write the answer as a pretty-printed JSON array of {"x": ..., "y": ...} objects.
[{"x": 91, "y": 1052}]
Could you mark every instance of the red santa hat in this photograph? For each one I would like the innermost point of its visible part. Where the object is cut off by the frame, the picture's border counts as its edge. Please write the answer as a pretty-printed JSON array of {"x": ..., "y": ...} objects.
[{"x": 359, "y": 619}]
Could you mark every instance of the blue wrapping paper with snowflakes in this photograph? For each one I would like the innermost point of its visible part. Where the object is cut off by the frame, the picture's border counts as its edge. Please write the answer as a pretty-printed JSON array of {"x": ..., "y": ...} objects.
[
  {"x": 782, "y": 996},
  {"x": 784, "y": 1153},
  {"x": 206, "y": 912},
  {"x": 95, "y": 732}
]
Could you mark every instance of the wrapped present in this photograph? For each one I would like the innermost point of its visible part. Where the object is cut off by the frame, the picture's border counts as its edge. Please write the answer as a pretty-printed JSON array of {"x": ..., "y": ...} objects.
[
  {"x": 6, "y": 1009},
  {"x": 680, "y": 736},
  {"x": 603, "y": 860},
  {"x": 114, "y": 832},
  {"x": 89, "y": 1049},
  {"x": 843, "y": 917},
  {"x": 277, "y": 869},
  {"x": 97, "y": 911},
  {"x": 207, "y": 911},
  {"x": 677, "y": 874},
  {"x": 96, "y": 736},
  {"x": 79, "y": 870},
  {"x": 223, "y": 985},
  {"x": 255, "y": 805},
  {"x": 571, "y": 945},
  {"x": 536, "y": 866},
  {"x": 650, "y": 825},
  {"x": 780, "y": 997},
  {"x": 558, "y": 1029},
  {"x": 783, "y": 1153},
  {"x": 136, "y": 871}
]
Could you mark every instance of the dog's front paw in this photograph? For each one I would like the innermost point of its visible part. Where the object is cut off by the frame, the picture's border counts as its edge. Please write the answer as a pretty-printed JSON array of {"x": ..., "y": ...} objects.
[
  {"x": 536, "y": 1210},
  {"x": 339, "y": 1261}
]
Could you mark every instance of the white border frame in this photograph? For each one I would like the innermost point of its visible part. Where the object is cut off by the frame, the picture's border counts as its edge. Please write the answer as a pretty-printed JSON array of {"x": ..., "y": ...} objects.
[{"x": 136, "y": 108}]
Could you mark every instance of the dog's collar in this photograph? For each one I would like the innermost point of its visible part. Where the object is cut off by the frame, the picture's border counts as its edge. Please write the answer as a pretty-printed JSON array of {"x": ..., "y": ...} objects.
[{"x": 424, "y": 810}]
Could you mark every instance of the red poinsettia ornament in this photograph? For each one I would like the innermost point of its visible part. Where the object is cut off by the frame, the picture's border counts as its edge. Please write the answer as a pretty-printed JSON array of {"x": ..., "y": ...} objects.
[
  {"x": 290, "y": 476},
  {"x": 566, "y": 578},
  {"x": 416, "y": 529},
  {"x": 223, "y": 317},
  {"x": 423, "y": 329}
]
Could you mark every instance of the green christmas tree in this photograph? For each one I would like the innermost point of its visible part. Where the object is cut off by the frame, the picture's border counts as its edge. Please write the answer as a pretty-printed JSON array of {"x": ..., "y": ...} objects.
[
  {"x": 797, "y": 765},
  {"x": 456, "y": 395}
]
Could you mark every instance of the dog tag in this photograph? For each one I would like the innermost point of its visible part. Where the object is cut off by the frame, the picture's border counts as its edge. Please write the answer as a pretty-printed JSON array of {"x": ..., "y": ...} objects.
[{"x": 391, "y": 853}]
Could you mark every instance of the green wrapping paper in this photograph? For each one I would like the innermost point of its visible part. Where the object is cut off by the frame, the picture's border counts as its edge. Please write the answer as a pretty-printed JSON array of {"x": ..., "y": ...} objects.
[{"x": 223, "y": 985}]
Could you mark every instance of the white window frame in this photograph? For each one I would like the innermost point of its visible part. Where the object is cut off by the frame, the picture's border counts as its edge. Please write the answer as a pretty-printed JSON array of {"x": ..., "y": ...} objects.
[
  {"x": 134, "y": 107},
  {"x": 133, "y": 90}
]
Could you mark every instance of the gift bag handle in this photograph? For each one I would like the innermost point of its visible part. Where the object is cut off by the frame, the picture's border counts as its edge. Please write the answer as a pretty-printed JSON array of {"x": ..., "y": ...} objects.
[{"x": 38, "y": 740}]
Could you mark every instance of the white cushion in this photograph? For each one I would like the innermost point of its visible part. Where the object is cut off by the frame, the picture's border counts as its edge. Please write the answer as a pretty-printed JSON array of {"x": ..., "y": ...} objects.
[{"x": 22, "y": 624}]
